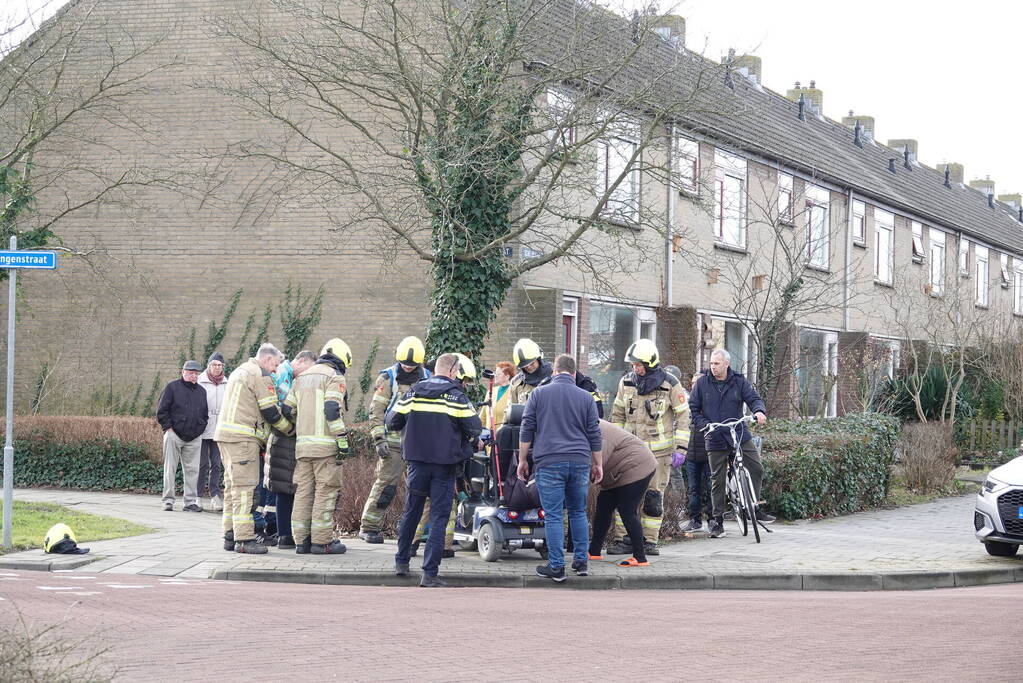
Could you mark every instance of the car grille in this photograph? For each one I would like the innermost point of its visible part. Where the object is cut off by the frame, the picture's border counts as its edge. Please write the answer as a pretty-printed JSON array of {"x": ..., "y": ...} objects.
[
  {"x": 978, "y": 521},
  {"x": 1008, "y": 507}
]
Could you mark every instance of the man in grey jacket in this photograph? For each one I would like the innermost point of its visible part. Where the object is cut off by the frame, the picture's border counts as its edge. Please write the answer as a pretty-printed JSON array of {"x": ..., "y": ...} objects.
[{"x": 562, "y": 420}]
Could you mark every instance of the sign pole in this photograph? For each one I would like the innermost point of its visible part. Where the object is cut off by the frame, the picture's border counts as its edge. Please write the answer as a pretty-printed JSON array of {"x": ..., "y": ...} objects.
[{"x": 9, "y": 434}]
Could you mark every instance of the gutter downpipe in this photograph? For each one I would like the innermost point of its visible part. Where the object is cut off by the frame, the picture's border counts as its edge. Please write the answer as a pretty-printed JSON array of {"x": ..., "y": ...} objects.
[
  {"x": 669, "y": 241},
  {"x": 848, "y": 260}
]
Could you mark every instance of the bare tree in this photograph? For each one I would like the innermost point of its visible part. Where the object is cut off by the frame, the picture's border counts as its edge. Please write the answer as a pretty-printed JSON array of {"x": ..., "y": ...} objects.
[{"x": 486, "y": 138}]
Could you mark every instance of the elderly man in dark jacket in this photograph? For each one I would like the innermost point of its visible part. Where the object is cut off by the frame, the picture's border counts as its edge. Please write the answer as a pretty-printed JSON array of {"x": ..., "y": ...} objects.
[
  {"x": 183, "y": 414},
  {"x": 719, "y": 396},
  {"x": 439, "y": 428}
]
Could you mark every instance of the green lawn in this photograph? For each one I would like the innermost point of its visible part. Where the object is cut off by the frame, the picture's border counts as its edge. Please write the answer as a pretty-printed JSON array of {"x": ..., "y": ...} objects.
[{"x": 33, "y": 520}]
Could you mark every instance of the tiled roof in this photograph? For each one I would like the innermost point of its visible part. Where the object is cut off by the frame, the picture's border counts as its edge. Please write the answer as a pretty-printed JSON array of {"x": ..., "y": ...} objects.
[{"x": 767, "y": 125}]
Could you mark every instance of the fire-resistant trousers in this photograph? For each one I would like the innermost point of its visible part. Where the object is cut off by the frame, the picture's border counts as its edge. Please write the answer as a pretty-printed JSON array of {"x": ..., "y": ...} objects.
[
  {"x": 388, "y": 475},
  {"x": 318, "y": 481},
  {"x": 241, "y": 475}
]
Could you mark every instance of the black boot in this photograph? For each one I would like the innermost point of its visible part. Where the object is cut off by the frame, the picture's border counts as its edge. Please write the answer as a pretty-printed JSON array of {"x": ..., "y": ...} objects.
[
  {"x": 229, "y": 541},
  {"x": 372, "y": 537},
  {"x": 285, "y": 542},
  {"x": 304, "y": 547},
  {"x": 251, "y": 547},
  {"x": 332, "y": 548}
]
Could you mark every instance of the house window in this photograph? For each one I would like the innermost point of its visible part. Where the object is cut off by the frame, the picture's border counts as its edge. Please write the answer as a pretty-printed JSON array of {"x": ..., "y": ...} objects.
[
  {"x": 616, "y": 162},
  {"x": 785, "y": 198},
  {"x": 1003, "y": 261},
  {"x": 687, "y": 164},
  {"x": 937, "y": 251},
  {"x": 730, "y": 335},
  {"x": 817, "y": 373},
  {"x": 559, "y": 105},
  {"x": 737, "y": 343},
  {"x": 964, "y": 257},
  {"x": 817, "y": 234},
  {"x": 730, "y": 199},
  {"x": 859, "y": 222},
  {"x": 1017, "y": 286},
  {"x": 884, "y": 233},
  {"x": 613, "y": 329},
  {"x": 570, "y": 325},
  {"x": 918, "y": 242},
  {"x": 980, "y": 256}
]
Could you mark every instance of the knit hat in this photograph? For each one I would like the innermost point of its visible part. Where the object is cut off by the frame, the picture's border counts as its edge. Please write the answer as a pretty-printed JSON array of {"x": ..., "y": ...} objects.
[{"x": 215, "y": 356}]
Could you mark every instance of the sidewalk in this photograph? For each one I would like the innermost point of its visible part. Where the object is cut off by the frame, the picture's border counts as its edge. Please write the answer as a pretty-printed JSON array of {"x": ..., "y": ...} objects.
[{"x": 923, "y": 546}]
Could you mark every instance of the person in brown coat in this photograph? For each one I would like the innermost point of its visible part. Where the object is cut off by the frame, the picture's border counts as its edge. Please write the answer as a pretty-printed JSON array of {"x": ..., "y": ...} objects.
[{"x": 629, "y": 466}]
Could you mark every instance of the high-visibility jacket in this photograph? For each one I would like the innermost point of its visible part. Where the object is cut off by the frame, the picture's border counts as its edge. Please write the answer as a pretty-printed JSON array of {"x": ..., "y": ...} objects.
[
  {"x": 660, "y": 418},
  {"x": 250, "y": 406},
  {"x": 439, "y": 423},
  {"x": 386, "y": 393},
  {"x": 519, "y": 388},
  {"x": 314, "y": 403}
]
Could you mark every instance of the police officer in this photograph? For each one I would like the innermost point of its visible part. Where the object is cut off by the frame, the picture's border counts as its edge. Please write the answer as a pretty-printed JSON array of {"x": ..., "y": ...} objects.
[
  {"x": 651, "y": 405},
  {"x": 441, "y": 428},
  {"x": 249, "y": 411},
  {"x": 391, "y": 385},
  {"x": 315, "y": 403},
  {"x": 528, "y": 358}
]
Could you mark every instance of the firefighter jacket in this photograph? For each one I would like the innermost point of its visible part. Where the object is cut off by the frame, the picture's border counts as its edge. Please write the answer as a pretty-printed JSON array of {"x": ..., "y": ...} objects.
[
  {"x": 250, "y": 406},
  {"x": 522, "y": 384},
  {"x": 659, "y": 417},
  {"x": 314, "y": 403},
  {"x": 390, "y": 386},
  {"x": 438, "y": 422}
]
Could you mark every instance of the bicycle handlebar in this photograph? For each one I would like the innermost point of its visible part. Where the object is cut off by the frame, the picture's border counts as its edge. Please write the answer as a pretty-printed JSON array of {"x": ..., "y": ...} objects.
[{"x": 728, "y": 424}]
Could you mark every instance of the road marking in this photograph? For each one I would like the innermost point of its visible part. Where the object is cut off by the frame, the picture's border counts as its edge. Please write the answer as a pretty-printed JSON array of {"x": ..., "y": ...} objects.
[
  {"x": 12, "y": 578},
  {"x": 55, "y": 588},
  {"x": 7, "y": 574},
  {"x": 80, "y": 578},
  {"x": 85, "y": 593},
  {"x": 124, "y": 585}
]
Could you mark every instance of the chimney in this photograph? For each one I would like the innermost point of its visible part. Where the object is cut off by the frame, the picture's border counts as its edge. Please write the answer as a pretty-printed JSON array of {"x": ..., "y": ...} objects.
[
  {"x": 987, "y": 186},
  {"x": 749, "y": 66},
  {"x": 813, "y": 95},
  {"x": 866, "y": 124},
  {"x": 1013, "y": 200},
  {"x": 903, "y": 145},
  {"x": 672, "y": 28},
  {"x": 956, "y": 172}
]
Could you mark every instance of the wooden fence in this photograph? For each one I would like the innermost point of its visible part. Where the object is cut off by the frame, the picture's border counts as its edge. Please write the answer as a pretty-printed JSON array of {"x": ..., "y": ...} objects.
[{"x": 989, "y": 435}]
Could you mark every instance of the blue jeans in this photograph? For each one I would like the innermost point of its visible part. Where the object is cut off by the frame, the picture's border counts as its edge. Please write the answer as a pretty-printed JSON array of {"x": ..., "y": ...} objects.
[
  {"x": 564, "y": 485},
  {"x": 436, "y": 482},
  {"x": 698, "y": 484}
]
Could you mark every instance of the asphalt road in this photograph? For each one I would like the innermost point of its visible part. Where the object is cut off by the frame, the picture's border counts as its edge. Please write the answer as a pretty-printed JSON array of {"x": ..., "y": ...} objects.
[{"x": 191, "y": 630}]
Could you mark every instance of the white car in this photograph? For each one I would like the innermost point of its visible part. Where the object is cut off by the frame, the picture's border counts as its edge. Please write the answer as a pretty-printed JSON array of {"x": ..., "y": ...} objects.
[{"x": 998, "y": 517}]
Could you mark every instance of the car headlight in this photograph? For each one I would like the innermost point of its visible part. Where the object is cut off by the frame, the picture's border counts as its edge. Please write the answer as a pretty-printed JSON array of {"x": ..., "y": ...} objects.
[{"x": 992, "y": 485}]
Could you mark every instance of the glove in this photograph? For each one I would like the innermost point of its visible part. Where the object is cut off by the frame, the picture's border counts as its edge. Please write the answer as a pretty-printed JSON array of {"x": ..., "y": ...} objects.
[
  {"x": 342, "y": 450},
  {"x": 383, "y": 450},
  {"x": 486, "y": 436},
  {"x": 678, "y": 458}
]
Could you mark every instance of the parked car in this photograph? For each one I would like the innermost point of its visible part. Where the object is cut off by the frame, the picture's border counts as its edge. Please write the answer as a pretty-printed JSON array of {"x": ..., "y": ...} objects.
[{"x": 998, "y": 517}]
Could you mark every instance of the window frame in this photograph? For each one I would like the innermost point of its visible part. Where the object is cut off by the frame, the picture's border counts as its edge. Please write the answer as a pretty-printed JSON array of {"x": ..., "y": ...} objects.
[
  {"x": 818, "y": 199},
  {"x": 936, "y": 250},
  {"x": 786, "y": 198},
  {"x": 918, "y": 241},
  {"x": 686, "y": 185},
  {"x": 734, "y": 169},
  {"x": 1017, "y": 286},
  {"x": 859, "y": 222},
  {"x": 884, "y": 226},
  {"x": 1003, "y": 262},
  {"x": 964, "y": 257},
  {"x": 618, "y": 209},
  {"x": 982, "y": 296}
]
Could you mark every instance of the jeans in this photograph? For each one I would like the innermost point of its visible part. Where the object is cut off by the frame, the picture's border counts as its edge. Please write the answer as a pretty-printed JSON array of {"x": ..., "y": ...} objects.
[
  {"x": 698, "y": 478},
  {"x": 626, "y": 499},
  {"x": 436, "y": 482},
  {"x": 718, "y": 472},
  {"x": 210, "y": 469},
  {"x": 564, "y": 485}
]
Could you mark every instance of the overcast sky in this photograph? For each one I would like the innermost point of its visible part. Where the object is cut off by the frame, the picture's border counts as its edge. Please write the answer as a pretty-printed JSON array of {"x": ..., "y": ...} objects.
[{"x": 940, "y": 72}]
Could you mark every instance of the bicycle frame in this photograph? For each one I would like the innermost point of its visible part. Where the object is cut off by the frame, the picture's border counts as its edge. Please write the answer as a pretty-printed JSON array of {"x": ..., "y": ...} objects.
[{"x": 738, "y": 482}]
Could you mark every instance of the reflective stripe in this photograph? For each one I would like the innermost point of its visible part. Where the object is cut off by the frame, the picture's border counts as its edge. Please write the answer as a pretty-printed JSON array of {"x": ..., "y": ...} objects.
[
  {"x": 419, "y": 406},
  {"x": 267, "y": 401},
  {"x": 660, "y": 444},
  {"x": 376, "y": 431},
  {"x": 237, "y": 429},
  {"x": 333, "y": 394},
  {"x": 314, "y": 439}
]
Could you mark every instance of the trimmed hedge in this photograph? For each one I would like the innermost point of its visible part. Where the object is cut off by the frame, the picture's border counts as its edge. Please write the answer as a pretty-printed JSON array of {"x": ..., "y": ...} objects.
[{"x": 819, "y": 468}]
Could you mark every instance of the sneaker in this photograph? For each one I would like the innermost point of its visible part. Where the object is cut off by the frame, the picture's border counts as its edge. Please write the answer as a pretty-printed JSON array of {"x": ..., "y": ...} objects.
[
  {"x": 694, "y": 525},
  {"x": 764, "y": 517},
  {"x": 432, "y": 582},
  {"x": 229, "y": 541},
  {"x": 401, "y": 568},
  {"x": 191, "y": 508},
  {"x": 285, "y": 542},
  {"x": 581, "y": 568},
  {"x": 716, "y": 528},
  {"x": 547, "y": 572},
  {"x": 651, "y": 548},
  {"x": 168, "y": 507},
  {"x": 202, "y": 502},
  {"x": 252, "y": 547},
  {"x": 332, "y": 548},
  {"x": 304, "y": 548},
  {"x": 447, "y": 553},
  {"x": 372, "y": 537},
  {"x": 217, "y": 504},
  {"x": 619, "y": 548}
]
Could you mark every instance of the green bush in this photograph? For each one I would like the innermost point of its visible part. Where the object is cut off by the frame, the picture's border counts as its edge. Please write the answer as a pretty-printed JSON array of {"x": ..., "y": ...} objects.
[{"x": 818, "y": 468}]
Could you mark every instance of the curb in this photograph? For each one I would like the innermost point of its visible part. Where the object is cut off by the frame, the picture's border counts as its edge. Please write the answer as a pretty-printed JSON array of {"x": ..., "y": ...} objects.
[
  {"x": 49, "y": 564},
  {"x": 836, "y": 581}
]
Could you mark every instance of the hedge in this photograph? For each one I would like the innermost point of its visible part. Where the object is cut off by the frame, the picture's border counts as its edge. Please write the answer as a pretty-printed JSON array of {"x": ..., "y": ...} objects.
[{"x": 819, "y": 468}]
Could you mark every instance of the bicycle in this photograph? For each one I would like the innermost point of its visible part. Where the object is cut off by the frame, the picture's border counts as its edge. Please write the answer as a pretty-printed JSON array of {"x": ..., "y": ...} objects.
[{"x": 738, "y": 482}]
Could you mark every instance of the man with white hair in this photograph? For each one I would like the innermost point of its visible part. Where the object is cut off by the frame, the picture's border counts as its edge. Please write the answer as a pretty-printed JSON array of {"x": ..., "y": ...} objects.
[
  {"x": 721, "y": 395},
  {"x": 249, "y": 411}
]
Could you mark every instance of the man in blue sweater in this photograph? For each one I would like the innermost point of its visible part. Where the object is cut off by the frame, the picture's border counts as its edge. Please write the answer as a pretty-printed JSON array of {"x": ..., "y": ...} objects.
[{"x": 561, "y": 419}]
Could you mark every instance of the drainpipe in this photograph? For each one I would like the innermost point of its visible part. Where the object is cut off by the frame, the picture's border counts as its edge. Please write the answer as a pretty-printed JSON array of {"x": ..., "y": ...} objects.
[
  {"x": 669, "y": 243},
  {"x": 848, "y": 260}
]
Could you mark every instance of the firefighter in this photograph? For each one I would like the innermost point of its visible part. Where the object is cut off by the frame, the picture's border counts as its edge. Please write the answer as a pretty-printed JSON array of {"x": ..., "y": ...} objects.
[
  {"x": 315, "y": 404},
  {"x": 248, "y": 412},
  {"x": 651, "y": 405},
  {"x": 391, "y": 385},
  {"x": 528, "y": 358}
]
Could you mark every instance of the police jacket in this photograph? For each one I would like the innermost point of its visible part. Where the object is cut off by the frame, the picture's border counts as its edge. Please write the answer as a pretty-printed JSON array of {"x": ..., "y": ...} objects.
[
  {"x": 183, "y": 409},
  {"x": 713, "y": 401},
  {"x": 438, "y": 422},
  {"x": 589, "y": 386}
]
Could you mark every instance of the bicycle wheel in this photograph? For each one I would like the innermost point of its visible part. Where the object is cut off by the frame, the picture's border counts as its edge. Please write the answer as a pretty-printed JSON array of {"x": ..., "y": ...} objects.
[
  {"x": 735, "y": 500},
  {"x": 750, "y": 501}
]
